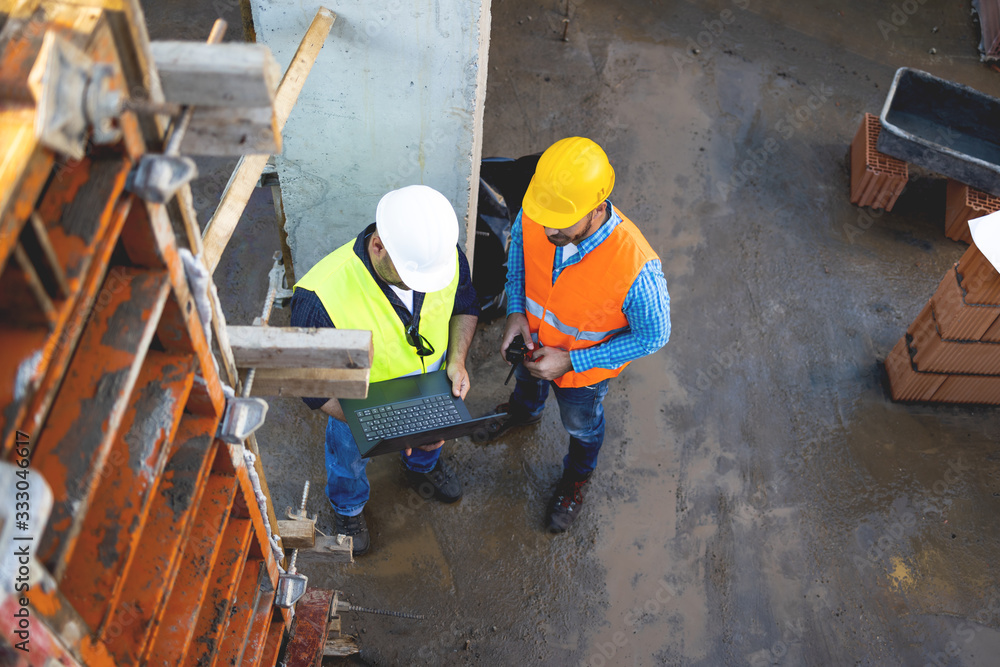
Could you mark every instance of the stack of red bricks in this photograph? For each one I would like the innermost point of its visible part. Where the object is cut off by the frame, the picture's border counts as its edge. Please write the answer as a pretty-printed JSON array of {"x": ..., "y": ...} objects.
[
  {"x": 877, "y": 179},
  {"x": 951, "y": 352}
]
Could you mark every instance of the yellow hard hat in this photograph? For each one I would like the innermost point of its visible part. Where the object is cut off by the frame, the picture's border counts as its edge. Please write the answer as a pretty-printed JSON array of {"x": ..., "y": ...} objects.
[{"x": 572, "y": 178}]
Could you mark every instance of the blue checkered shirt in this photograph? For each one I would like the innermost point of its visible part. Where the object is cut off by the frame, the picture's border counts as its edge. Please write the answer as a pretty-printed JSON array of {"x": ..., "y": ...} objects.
[{"x": 646, "y": 307}]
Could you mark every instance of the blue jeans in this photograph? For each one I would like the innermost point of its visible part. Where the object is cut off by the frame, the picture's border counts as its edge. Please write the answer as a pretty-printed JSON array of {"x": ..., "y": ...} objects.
[
  {"x": 582, "y": 412},
  {"x": 346, "y": 480}
]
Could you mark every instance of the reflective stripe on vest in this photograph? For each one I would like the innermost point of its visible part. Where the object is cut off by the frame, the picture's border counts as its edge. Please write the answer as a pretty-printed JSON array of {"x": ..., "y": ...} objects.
[
  {"x": 353, "y": 300},
  {"x": 584, "y": 306},
  {"x": 536, "y": 309}
]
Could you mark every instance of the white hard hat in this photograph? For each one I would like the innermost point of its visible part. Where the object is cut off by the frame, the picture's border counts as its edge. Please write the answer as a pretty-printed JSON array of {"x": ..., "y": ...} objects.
[{"x": 419, "y": 229}]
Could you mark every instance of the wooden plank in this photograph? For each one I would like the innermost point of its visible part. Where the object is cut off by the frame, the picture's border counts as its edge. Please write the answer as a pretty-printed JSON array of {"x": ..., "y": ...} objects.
[
  {"x": 321, "y": 382},
  {"x": 222, "y": 589},
  {"x": 328, "y": 549},
  {"x": 111, "y": 529},
  {"x": 88, "y": 410},
  {"x": 240, "y": 628},
  {"x": 157, "y": 560},
  {"x": 221, "y": 131},
  {"x": 300, "y": 347},
  {"x": 172, "y": 638},
  {"x": 220, "y": 228},
  {"x": 233, "y": 74},
  {"x": 297, "y": 534},
  {"x": 312, "y": 618},
  {"x": 341, "y": 647}
]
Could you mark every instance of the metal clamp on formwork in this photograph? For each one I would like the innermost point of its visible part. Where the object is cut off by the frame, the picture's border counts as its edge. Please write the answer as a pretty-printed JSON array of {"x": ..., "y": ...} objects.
[
  {"x": 72, "y": 94},
  {"x": 291, "y": 585},
  {"x": 243, "y": 416}
]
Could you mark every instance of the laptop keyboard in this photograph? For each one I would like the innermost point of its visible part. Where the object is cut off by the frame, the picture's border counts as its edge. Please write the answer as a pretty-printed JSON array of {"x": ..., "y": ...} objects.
[{"x": 421, "y": 414}]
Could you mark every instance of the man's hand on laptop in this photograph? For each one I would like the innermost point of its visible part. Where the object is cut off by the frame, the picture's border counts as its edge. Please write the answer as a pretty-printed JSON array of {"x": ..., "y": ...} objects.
[
  {"x": 459, "y": 380},
  {"x": 427, "y": 448}
]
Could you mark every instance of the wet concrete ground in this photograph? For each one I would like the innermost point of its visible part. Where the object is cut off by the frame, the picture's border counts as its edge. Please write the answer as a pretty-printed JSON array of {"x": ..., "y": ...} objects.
[{"x": 759, "y": 500}]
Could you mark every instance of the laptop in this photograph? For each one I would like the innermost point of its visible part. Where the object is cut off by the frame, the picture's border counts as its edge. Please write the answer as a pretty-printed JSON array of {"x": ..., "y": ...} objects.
[{"x": 412, "y": 411}]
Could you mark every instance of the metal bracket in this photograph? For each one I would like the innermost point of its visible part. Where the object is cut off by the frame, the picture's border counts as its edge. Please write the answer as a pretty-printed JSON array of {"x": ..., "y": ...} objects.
[
  {"x": 71, "y": 92},
  {"x": 243, "y": 416},
  {"x": 269, "y": 177},
  {"x": 158, "y": 177},
  {"x": 291, "y": 587}
]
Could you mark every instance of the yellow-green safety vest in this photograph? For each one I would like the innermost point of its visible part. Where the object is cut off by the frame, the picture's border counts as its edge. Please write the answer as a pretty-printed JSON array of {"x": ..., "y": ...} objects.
[{"x": 353, "y": 300}]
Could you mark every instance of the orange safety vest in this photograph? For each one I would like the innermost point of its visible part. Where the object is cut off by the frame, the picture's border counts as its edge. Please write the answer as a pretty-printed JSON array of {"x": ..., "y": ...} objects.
[{"x": 584, "y": 306}]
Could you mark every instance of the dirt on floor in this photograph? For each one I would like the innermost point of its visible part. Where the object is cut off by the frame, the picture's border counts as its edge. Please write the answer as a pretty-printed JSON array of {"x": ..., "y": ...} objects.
[{"x": 759, "y": 499}]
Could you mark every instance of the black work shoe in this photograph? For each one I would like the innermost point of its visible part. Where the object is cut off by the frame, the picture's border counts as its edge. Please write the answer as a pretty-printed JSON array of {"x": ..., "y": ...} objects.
[
  {"x": 565, "y": 504},
  {"x": 441, "y": 483},
  {"x": 355, "y": 527},
  {"x": 516, "y": 417}
]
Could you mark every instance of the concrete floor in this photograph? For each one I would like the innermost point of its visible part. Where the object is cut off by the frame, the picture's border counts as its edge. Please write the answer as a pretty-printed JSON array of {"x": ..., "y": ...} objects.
[{"x": 759, "y": 500}]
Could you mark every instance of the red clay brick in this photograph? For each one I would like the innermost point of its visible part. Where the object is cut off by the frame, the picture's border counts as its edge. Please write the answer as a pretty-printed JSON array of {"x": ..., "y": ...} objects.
[
  {"x": 971, "y": 389},
  {"x": 877, "y": 179},
  {"x": 979, "y": 279},
  {"x": 905, "y": 383},
  {"x": 956, "y": 319},
  {"x": 993, "y": 333},
  {"x": 963, "y": 204},
  {"x": 931, "y": 353}
]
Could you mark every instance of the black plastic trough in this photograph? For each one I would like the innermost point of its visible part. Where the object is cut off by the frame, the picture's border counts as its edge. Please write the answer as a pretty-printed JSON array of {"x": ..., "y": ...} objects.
[{"x": 943, "y": 126}]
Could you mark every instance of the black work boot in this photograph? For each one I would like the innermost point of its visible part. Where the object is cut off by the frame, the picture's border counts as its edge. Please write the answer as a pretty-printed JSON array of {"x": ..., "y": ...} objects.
[
  {"x": 355, "y": 527},
  {"x": 440, "y": 482},
  {"x": 516, "y": 417},
  {"x": 566, "y": 502}
]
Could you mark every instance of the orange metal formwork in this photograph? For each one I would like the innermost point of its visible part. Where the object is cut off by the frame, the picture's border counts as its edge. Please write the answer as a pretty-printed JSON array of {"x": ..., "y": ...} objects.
[{"x": 156, "y": 550}]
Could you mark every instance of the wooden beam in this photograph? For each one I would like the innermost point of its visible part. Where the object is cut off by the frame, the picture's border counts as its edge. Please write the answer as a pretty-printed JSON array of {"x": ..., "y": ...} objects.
[
  {"x": 297, "y": 534},
  {"x": 328, "y": 549},
  {"x": 221, "y": 131},
  {"x": 234, "y": 74},
  {"x": 321, "y": 382},
  {"x": 220, "y": 228},
  {"x": 300, "y": 347}
]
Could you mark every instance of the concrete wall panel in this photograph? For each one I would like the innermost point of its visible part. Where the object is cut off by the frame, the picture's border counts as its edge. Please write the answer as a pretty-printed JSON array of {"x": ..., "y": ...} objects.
[{"x": 395, "y": 98}]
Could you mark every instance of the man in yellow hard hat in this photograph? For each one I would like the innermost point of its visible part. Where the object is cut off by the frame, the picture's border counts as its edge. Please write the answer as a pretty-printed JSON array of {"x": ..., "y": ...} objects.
[
  {"x": 587, "y": 293},
  {"x": 405, "y": 279}
]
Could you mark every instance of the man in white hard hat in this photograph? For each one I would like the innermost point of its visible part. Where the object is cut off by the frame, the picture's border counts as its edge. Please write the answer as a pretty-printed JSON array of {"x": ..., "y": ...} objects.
[{"x": 406, "y": 280}]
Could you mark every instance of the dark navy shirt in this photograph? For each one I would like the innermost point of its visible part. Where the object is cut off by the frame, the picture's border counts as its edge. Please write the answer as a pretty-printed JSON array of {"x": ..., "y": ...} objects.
[{"x": 308, "y": 310}]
